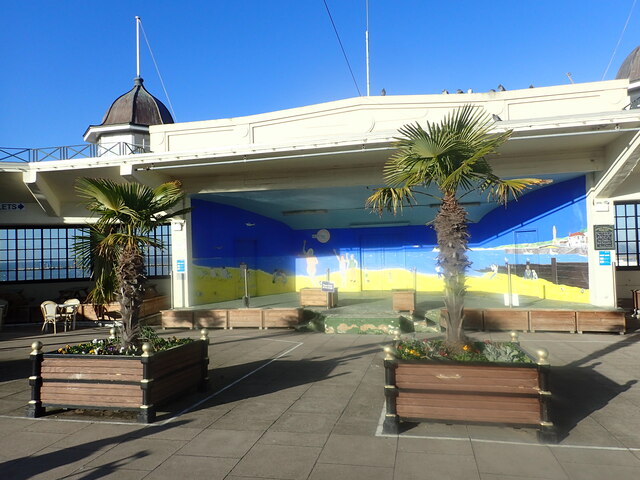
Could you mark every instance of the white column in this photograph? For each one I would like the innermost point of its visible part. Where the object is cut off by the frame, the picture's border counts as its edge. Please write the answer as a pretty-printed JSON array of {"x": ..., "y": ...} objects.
[
  {"x": 602, "y": 288},
  {"x": 181, "y": 258}
]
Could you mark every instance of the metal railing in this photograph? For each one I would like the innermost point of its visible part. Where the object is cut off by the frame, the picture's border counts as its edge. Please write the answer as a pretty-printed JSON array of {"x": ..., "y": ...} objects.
[{"x": 69, "y": 152}]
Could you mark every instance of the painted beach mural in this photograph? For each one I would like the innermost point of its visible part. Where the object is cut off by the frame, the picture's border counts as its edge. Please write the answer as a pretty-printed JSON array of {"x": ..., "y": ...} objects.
[{"x": 541, "y": 239}]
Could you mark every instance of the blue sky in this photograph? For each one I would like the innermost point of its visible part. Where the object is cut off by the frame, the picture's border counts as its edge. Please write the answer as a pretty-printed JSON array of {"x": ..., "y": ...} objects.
[{"x": 64, "y": 62}]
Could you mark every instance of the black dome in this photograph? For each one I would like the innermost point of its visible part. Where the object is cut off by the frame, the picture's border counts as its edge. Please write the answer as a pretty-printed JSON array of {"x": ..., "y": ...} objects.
[
  {"x": 630, "y": 68},
  {"x": 138, "y": 107}
]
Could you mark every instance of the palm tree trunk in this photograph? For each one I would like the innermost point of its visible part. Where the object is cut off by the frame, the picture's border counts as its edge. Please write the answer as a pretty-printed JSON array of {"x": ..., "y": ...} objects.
[
  {"x": 131, "y": 279},
  {"x": 451, "y": 230}
]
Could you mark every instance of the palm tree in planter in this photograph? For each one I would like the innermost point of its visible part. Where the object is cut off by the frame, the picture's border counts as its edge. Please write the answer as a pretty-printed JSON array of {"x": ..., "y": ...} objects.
[
  {"x": 451, "y": 156},
  {"x": 127, "y": 213}
]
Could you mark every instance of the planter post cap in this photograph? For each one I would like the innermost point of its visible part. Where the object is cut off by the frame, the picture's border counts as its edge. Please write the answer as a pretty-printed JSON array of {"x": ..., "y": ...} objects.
[
  {"x": 112, "y": 333},
  {"x": 514, "y": 337},
  {"x": 204, "y": 334},
  {"x": 36, "y": 347},
  {"x": 147, "y": 349},
  {"x": 388, "y": 353},
  {"x": 543, "y": 356}
]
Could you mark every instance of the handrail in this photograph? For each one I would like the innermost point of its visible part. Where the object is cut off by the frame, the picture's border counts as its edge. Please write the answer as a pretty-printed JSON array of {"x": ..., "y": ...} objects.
[{"x": 70, "y": 152}]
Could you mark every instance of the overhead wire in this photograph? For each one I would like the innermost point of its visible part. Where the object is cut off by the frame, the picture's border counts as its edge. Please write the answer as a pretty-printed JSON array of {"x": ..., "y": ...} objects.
[
  {"x": 342, "y": 47},
  {"x": 155, "y": 64},
  {"x": 620, "y": 39}
]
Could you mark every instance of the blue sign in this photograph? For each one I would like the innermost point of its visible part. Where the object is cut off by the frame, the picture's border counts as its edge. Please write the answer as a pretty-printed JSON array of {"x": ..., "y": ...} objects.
[
  {"x": 604, "y": 257},
  {"x": 181, "y": 266},
  {"x": 327, "y": 286}
]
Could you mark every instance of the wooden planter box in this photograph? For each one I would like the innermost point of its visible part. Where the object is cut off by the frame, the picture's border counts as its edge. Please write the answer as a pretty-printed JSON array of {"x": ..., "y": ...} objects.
[
  {"x": 245, "y": 317},
  {"x": 404, "y": 301},
  {"x": 217, "y": 318},
  {"x": 503, "y": 319},
  {"x": 552, "y": 320},
  {"x": 177, "y": 318},
  {"x": 472, "y": 393},
  {"x": 150, "y": 306},
  {"x": 473, "y": 319},
  {"x": 316, "y": 297},
  {"x": 118, "y": 382},
  {"x": 595, "y": 321},
  {"x": 281, "y": 317}
]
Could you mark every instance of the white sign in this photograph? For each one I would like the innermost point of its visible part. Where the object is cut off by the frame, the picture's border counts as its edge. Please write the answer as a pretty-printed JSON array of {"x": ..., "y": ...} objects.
[
  {"x": 8, "y": 207},
  {"x": 327, "y": 287}
]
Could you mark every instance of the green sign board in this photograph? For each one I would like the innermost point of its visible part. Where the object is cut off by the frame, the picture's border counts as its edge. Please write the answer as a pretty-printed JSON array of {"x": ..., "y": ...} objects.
[{"x": 604, "y": 237}]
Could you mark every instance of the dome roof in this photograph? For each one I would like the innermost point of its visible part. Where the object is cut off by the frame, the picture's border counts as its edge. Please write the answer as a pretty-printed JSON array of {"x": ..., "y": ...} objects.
[
  {"x": 138, "y": 107},
  {"x": 630, "y": 68}
]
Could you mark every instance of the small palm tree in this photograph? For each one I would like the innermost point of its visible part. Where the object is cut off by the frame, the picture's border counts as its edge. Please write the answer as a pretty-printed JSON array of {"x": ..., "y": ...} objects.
[
  {"x": 127, "y": 213},
  {"x": 451, "y": 156}
]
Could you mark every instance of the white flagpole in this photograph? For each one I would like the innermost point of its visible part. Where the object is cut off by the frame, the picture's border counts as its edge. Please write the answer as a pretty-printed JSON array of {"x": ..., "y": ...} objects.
[
  {"x": 366, "y": 38},
  {"x": 137, "y": 46}
]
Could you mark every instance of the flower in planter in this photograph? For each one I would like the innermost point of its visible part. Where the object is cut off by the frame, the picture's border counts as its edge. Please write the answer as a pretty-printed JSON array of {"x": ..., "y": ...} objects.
[
  {"x": 437, "y": 349},
  {"x": 112, "y": 346}
]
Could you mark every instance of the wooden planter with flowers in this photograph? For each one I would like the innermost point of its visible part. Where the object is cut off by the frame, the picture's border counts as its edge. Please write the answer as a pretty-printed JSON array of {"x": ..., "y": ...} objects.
[
  {"x": 117, "y": 382},
  {"x": 515, "y": 394}
]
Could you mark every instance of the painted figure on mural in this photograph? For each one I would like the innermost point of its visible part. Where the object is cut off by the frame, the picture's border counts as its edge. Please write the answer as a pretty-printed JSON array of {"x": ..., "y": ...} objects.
[
  {"x": 343, "y": 265},
  {"x": 494, "y": 270},
  {"x": 352, "y": 266},
  {"x": 312, "y": 261},
  {"x": 279, "y": 276}
]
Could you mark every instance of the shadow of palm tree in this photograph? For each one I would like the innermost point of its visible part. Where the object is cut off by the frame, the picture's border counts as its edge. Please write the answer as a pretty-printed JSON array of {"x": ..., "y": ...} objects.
[
  {"x": 579, "y": 390},
  {"x": 27, "y": 467}
]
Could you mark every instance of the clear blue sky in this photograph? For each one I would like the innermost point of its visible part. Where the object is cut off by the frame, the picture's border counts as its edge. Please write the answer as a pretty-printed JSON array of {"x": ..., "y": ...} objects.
[{"x": 64, "y": 62}]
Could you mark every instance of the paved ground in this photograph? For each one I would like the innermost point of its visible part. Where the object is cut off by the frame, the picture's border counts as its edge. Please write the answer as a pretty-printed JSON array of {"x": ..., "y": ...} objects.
[{"x": 292, "y": 405}]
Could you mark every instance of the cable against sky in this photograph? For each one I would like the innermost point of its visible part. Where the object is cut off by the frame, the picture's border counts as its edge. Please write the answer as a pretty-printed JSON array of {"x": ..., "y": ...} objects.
[
  {"x": 175, "y": 119},
  {"x": 620, "y": 39},
  {"x": 343, "y": 52}
]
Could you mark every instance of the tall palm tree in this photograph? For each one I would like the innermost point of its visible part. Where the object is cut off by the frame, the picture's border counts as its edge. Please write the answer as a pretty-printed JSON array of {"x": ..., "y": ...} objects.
[
  {"x": 127, "y": 213},
  {"x": 450, "y": 156}
]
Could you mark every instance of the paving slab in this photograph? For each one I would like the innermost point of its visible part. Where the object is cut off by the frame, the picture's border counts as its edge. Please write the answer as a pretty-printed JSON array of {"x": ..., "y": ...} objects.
[{"x": 315, "y": 413}]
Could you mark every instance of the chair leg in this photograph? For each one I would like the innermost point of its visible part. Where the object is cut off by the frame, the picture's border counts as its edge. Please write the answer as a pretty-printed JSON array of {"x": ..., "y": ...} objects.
[{"x": 54, "y": 328}]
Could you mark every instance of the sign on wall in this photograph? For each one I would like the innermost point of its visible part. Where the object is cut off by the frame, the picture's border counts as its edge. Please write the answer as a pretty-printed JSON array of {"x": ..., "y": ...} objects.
[
  {"x": 604, "y": 258},
  {"x": 181, "y": 266},
  {"x": 11, "y": 207},
  {"x": 604, "y": 237}
]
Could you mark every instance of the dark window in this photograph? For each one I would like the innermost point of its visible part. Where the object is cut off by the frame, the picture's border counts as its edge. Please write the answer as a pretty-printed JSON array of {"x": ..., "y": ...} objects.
[
  {"x": 627, "y": 221},
  {"x": 46, "y": 253}
]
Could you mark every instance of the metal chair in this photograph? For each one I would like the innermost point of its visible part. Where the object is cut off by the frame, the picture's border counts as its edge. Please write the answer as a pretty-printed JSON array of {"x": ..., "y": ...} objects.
[
  {"x": 69, "y": 311},
  {"x": 50, "y": 314}
]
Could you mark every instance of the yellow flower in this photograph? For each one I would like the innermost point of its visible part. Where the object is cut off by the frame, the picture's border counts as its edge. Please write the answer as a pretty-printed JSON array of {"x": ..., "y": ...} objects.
[{"x": 466, "y": 348}]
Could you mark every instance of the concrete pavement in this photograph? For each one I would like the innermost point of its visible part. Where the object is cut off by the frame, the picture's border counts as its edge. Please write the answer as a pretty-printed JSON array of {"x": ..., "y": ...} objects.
[{"x": 293, "y": 405}]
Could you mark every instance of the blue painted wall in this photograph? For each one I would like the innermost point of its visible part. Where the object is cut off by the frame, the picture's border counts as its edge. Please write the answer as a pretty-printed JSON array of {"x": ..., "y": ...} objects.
[{"x": 542, "y": 236}]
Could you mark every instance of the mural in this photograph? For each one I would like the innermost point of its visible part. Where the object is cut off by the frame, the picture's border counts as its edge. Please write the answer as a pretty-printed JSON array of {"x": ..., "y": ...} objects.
[
  {"x": 541, "y": 240},
  {"x": 225, "y": 240}
]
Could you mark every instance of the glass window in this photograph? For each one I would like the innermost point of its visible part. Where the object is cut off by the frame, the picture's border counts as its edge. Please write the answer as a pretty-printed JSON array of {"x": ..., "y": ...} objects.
[
  {"x": 35, "y": 254},
  {"x": 627, "y": 247}
]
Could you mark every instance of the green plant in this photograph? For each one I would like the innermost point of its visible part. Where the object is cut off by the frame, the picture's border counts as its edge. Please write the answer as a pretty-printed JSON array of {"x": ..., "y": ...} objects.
[
  {"x": 438, "y": 349},
  {"x": 450, "y": 156},
  {"x": 114, "y": 248},
  {"x": 112, "y": 346}
]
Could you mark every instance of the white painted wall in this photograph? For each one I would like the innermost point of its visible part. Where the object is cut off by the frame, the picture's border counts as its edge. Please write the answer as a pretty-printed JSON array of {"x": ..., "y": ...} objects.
[{"x": 384, "y": 115}]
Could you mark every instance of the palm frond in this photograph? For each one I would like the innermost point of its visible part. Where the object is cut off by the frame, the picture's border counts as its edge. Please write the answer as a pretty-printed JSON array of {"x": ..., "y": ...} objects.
[{"x": 390, "y": 199}]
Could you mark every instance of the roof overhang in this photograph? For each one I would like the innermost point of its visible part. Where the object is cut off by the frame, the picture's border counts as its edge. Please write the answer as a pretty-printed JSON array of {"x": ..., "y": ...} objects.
[{"x": 94, "y": 132}]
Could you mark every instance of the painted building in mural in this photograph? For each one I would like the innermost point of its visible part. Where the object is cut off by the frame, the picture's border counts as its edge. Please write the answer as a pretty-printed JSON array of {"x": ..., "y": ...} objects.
[{"x": 280, "y": 197}]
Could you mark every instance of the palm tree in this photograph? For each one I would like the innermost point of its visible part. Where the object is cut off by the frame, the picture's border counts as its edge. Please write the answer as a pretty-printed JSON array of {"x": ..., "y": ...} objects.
[
  {"x": 451, "y": 156},
  {"x": 127, "y": 213}
]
